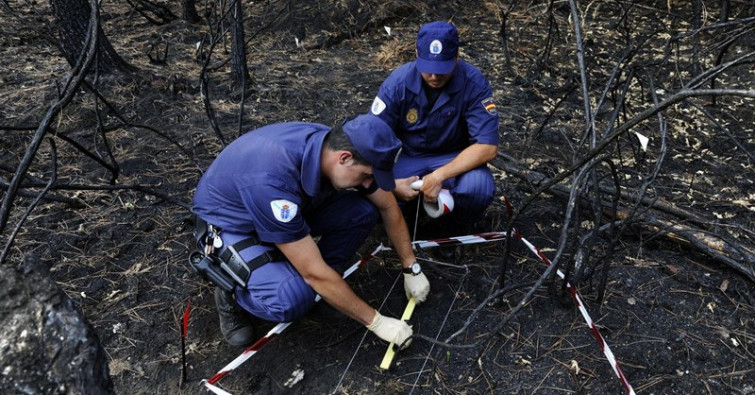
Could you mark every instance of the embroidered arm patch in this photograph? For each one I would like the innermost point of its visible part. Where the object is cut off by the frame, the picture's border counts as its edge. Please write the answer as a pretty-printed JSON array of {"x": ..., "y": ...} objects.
[
  {"x": 284, "y": 210},
  {"x": 489, "y": 105},
  {"x": 378, "y": 105}
]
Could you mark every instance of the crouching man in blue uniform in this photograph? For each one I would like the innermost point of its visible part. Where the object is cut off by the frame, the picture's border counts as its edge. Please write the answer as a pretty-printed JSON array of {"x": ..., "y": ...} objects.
[
  {"x": 442, "y": 109},
  {"x": 271, "y": 191}
]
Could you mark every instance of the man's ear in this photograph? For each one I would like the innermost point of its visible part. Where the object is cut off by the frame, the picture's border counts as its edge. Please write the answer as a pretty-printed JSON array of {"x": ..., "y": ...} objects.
[{"x": 344, "y": 156}]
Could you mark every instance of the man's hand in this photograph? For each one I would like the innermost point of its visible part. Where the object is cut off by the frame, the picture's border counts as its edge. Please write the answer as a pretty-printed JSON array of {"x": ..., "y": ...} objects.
[
  {"x": 391, "y": 330},
  {"x": 416, "y": 286},
  {"x": 431, "y": 186},
  {"x": 404, "y": 190}
]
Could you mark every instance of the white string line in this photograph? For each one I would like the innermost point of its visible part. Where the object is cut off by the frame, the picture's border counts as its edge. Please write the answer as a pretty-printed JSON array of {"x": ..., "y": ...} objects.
[
  {"x": 359, "y": 346},
  {"x": 254, "y": 348},
  {"x": 440, "y": 330},
  {"x": 469, "y": 239},
  {"x": 416, "y": 220}
]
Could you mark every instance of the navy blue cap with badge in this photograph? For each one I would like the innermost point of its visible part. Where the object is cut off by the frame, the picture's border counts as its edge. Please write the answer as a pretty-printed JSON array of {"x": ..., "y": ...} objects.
[
  {"x": 377, "y": 144},
  {"x": 437, "y": 47}
]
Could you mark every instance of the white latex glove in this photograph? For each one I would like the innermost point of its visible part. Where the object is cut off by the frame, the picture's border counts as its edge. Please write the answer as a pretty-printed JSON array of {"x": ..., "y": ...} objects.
[
  {"x": 390, "y": 329},
  {"x": 416, "y": 286}
]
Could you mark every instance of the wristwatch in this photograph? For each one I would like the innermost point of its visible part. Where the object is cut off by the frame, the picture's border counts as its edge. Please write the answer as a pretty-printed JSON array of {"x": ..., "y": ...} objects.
[{"x": 414, "y": 269}]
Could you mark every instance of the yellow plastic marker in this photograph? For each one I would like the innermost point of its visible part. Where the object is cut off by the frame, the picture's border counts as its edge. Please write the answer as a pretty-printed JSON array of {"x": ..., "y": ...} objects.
[{"x": 391, "y": 352}]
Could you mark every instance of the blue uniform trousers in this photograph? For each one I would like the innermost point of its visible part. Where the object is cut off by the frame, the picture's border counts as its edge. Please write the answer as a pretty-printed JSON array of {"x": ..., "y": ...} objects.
[{"x": 276, "y": 291}]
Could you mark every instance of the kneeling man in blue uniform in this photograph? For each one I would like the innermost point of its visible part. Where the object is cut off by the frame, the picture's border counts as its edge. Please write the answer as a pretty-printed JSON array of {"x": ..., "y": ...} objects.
[
  {"x": 443, "y": 111},
  {"x": 270, "y": 193}
]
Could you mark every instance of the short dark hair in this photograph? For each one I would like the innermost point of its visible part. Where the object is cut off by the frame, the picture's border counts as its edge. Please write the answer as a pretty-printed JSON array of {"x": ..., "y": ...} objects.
[{"x": 337, "y": 140}]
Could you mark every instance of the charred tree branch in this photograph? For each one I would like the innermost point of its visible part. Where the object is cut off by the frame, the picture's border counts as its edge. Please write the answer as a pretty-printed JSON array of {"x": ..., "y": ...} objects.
[
  {"x": 33, "y": 205},
  {"x": 78, "y": 73},
  {"x": 720, "y": 247}
]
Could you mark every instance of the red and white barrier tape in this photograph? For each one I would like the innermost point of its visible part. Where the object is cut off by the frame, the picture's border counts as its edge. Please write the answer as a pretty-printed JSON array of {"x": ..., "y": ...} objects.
[
  {"x": 581, "y": 306},
  {"x": 277, "y": 330},
  {"x": 468, "y": 239},
  {"x": 458, "y": 240}
]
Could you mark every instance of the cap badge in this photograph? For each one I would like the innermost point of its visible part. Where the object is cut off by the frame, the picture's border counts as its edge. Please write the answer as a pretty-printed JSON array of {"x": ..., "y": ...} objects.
[{"x": 436, "y": 47}]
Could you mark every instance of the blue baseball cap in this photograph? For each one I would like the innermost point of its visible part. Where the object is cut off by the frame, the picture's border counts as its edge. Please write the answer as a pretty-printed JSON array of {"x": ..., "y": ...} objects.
[
  {"x": 437, "y": 47},
  {"x": 377, "y": 144}
]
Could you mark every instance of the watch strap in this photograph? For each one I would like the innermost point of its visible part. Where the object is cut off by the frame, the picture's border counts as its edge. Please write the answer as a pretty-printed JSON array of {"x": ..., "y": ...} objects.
[{"x": 409, "y": 270}]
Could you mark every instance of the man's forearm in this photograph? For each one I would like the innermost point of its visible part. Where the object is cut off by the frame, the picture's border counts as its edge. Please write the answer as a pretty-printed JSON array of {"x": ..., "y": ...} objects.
[
  {"x": 306, "y": 258},
  {"x": 395, "y": 226},
  {"x": 470, "y": 158},
  {"x": 398, "y": 233}
]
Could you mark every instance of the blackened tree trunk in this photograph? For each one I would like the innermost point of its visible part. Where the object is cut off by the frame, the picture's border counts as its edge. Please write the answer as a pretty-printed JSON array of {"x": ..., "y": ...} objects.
[
  {"x": 697, "y": 23},
  {"x": 239, "y": 69},
  {"x": 189, "y": 11},
  {"x": 72, "y": 21}
]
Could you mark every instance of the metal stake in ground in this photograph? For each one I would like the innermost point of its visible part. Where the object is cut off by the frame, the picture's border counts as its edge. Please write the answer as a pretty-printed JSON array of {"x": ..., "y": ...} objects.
[{"x": 184, "y": 331}]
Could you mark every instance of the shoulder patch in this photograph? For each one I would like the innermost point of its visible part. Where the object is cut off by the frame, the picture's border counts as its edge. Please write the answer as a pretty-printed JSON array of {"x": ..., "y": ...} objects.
[
  {"x": 489, "y": 105},
  {"x": 284, "y": 210},
  {"x": 378, "y": 105}
]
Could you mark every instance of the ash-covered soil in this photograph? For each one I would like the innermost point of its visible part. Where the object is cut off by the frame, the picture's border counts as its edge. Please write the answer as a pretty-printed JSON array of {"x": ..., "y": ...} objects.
[{"x": 677, "y": 320}]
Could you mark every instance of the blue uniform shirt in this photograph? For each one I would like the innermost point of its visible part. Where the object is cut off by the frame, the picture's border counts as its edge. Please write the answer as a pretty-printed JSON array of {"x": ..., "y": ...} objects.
[
  {"x": 464, "y": 112},
  {"x": 264, "y": 181}
]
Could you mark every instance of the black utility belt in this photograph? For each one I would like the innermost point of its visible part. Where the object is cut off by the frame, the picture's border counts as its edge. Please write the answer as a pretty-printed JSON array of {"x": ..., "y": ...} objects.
[
  {"x": 239, "y": 269},
  {"x": 226, "y": 268},
  {"x": 230, "y": 271}
]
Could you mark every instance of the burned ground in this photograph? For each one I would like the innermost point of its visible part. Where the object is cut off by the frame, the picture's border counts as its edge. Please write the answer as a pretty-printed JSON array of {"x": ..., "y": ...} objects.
[{"x": 679, "y": 320}]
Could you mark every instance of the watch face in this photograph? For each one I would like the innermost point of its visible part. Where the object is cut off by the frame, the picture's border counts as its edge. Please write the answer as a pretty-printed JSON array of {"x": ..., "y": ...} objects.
[{"x": 416, "y": 269}]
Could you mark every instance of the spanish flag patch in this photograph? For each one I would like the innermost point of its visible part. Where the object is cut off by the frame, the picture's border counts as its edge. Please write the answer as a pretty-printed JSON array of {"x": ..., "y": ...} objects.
[{"x": 489, "y": 106}]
